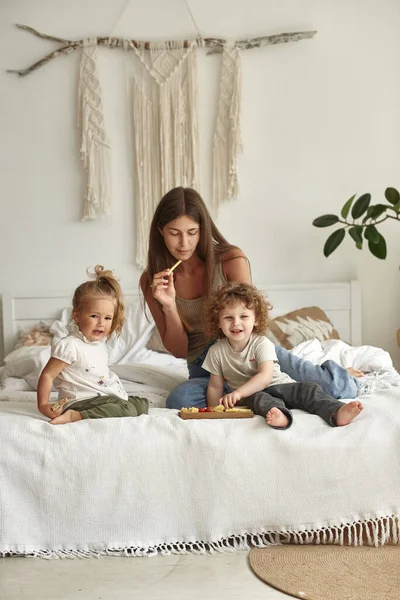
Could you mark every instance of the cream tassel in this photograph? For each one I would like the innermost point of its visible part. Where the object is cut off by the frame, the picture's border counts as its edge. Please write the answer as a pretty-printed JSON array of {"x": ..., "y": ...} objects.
[
  {"x": 95, "y": 149},
  {"x": 227, "y": 136}
]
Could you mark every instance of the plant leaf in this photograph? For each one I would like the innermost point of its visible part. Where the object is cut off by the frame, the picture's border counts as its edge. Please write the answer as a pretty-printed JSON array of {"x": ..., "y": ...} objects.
[
  {"x": 346, "y": 207},
  {"x": 325, "y": 221},
  {"x": 356, "y": 234},
  {"x": 360, "y": 206},
  {"x": 392, "y": 195},
  {"x": 379, "y": 249},
  {"x": 333, "y": 241},
  {"x": 372, "y": 234},
  {"x": 377, "y": 209},
  {"x": 397, "y": 207}
]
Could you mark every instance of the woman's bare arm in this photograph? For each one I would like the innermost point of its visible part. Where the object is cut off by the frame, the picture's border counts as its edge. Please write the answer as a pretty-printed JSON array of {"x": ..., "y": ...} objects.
[
  {"x": 235, "y": 266},
  {"x": 167, "y": 320}
]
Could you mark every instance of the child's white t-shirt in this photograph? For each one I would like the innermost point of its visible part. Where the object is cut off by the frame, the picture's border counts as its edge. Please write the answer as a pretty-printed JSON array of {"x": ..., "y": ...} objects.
[
  {"x": 87, "y": 374},
  {"x": 238, "y": 367}
]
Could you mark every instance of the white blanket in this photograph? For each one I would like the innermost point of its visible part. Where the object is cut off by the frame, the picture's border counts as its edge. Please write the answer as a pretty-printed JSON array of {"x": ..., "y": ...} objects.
[
  {"x": 375, "y": 363},
  {"x": 364, "y": 358},
  {"x": 158, "y": 483}
]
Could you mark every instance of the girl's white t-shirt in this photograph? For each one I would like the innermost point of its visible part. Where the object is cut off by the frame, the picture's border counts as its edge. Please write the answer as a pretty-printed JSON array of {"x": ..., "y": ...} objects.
[{"x": 87, "y": 374}]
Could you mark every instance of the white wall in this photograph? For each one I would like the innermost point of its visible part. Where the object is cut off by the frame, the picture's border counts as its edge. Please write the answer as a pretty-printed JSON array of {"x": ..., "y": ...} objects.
[{"x": 320, "y": 122}]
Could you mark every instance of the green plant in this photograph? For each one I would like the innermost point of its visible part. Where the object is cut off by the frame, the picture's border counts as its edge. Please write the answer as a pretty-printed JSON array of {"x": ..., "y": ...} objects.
[{"x": 374, "y": 214}]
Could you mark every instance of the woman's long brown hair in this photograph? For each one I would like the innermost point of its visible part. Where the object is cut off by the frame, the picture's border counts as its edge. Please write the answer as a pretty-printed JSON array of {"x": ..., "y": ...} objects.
[{"x": 180, "y": 202}]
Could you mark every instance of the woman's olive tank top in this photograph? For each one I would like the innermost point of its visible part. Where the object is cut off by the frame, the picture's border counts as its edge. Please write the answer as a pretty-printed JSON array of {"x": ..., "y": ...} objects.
[{"x": 192, "y": 313}]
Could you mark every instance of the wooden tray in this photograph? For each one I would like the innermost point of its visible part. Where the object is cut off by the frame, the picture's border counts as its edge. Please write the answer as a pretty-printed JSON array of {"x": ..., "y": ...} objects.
[{"x": 243, "y": 414}]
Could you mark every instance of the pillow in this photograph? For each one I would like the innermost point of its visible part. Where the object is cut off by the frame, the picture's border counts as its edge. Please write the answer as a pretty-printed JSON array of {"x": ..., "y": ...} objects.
[
  {"x": 37, "y": 336},
  {"x": 155, "y": 342},
  {"x": 129, "y": 346},
  {"x": 26, "y": 363},
  {"x": 299, "y": 326},
  {"x": 59, "y": 328}
]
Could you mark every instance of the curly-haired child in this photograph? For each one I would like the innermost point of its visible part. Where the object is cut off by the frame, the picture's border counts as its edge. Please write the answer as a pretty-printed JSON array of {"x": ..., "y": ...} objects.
[
  {"x": 78, "y": 366},
  {"x": 246, "y": 361}
]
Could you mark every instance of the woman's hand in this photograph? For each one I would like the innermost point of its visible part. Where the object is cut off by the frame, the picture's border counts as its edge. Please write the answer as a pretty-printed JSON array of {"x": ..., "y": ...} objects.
[
  {"x": 229, "y": 400},
  {"x": 163, "y": 288}
]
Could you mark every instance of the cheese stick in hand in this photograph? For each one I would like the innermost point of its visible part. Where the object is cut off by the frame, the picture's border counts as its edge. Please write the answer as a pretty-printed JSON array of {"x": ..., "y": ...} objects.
[{"x": 174, "y": 266}]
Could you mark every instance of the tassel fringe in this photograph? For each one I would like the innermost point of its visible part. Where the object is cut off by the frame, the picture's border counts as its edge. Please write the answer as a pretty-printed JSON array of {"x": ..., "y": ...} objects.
[{"x": 372, "y": 532}]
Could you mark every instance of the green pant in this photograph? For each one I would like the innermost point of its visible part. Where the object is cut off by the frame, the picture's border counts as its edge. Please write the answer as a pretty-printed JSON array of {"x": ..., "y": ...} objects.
[{"x": 105, "y": 407}]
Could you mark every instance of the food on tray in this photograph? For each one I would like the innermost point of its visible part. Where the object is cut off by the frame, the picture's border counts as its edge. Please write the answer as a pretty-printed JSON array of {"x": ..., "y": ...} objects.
[
  {"x": 217, "y": 412},
  {"x": 218, "y": 408}
]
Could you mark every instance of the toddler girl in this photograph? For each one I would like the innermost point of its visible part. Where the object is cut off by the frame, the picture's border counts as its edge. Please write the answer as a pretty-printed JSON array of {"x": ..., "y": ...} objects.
[
  {"x": 247, "y": 362},
  {"x": 78, "y": 366}
]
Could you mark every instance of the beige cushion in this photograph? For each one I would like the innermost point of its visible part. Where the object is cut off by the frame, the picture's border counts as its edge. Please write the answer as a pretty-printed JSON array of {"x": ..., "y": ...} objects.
[
  {"x": 155, "y": 342},
  {"x": 37, "y": 336},
  {"x": 299, "y": 326}
]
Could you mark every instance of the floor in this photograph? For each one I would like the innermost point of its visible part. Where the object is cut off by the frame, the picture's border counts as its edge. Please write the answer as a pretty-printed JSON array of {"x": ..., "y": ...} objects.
[{"x": 192, "y": 577}]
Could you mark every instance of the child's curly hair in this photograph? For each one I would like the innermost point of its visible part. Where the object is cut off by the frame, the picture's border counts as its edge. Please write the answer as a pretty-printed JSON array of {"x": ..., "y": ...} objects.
[
  {"x": 104, "y": 284},
  {"x": 231, "y": 294}
]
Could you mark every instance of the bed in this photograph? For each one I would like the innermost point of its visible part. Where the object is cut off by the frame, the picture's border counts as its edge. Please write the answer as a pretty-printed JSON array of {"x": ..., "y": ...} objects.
[{"x": 159, "y": 484}]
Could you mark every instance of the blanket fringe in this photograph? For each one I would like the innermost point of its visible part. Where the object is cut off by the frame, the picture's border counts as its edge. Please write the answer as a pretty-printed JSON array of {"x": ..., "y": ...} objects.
[
  {"x": 372, "y": 532},
  {"x": 382, "y": 379}
]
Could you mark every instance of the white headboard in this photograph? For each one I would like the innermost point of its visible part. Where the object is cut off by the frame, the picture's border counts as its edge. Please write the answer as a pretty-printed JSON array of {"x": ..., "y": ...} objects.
[{"x": 340, "y": 301}]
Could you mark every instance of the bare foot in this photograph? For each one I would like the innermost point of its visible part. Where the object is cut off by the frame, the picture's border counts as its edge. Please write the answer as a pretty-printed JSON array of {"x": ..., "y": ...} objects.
[
  {"x": 354, "y": 372},
  {"x": 70, "y": 416},
  {"x": 276, "y": 418},
  {"x": 345, "y": 414}
]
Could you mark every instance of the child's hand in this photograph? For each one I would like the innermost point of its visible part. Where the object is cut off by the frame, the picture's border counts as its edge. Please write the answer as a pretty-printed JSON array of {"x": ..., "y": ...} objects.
[
  {"x": 51, "y": 410},
  {"x": 229, "y": 400}
]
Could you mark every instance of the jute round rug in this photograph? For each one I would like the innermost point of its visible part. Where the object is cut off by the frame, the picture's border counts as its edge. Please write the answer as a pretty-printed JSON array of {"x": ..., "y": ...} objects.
[{"x": 330, "y": 572}]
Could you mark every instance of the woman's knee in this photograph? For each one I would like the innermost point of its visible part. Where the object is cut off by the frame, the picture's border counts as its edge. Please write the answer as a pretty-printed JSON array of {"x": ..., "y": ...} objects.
[{"x": 189, "y": 393}]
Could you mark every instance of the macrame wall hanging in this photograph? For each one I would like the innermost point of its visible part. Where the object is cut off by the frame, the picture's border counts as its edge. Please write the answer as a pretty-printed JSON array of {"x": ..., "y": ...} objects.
[
  {"x": 95, "y": 149},
  {"x": 165, "y": 135},
  {"x": 227, "y": 138}
]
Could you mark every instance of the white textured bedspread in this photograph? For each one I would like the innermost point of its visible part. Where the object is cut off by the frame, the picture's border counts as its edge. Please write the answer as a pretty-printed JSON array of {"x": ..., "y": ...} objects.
[{"x": 158, "y": 483}]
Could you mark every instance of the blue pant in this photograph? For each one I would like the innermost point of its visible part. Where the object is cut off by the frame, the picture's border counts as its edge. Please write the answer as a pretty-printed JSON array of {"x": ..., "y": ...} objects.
[{"x": 334, "y": 379}]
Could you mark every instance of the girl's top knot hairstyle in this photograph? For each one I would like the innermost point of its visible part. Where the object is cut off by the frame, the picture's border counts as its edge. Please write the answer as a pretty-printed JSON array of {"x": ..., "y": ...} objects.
[
  {"x": 231, "y": 294},
  {"x": 103, "y": 283}
]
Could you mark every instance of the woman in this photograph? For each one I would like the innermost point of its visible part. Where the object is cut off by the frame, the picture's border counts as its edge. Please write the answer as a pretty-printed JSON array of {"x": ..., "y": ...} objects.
[{"x": 182, "y": 229}]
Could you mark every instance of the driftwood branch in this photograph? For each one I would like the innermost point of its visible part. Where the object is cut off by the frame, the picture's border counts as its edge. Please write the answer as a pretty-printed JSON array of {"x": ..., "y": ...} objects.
[{"x": 215, "y": 45}]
